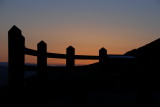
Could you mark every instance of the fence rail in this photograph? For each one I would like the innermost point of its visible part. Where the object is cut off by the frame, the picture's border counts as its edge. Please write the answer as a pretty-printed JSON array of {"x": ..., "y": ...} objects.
[{"x": 62, "y": 56}]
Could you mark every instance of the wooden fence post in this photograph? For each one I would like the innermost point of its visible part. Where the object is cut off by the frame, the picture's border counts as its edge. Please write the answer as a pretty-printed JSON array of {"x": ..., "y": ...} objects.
[
  {"x": 70, "y": 61},
  {"x": 42, "y": 61},
  {"x": 102, "y": 56},
  {"x": 16, "y": 64}
]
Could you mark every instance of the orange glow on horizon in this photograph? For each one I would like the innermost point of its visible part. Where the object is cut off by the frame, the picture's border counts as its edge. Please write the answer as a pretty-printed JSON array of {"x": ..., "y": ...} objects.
[{"x": 57, "y": 62}]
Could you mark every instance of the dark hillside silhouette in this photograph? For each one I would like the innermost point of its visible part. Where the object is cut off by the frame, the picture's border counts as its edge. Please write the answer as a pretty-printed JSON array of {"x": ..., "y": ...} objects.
[
  {"x": 148, "y": 53},
  {"x": 115, "y": 80}
]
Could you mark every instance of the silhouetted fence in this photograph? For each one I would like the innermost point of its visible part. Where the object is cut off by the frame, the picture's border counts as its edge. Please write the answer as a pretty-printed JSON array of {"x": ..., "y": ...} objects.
[{"x": 17, "y": 52}]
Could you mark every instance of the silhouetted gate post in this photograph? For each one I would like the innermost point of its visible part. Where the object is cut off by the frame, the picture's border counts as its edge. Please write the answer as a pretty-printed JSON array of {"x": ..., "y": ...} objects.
[
  {"x": 16, "y": 66},
  {"x": 70, "y": 60},
  {"x": 102, "y": 56},
  {"x": 42, "y": 61}
]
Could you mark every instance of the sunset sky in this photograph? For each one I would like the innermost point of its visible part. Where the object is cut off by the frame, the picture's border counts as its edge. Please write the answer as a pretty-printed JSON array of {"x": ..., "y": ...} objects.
[{"x": 87, "y": 25}]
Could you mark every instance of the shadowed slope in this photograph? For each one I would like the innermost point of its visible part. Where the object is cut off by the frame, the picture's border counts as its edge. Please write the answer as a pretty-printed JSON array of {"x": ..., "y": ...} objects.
[{"x": 150, "y": 49}]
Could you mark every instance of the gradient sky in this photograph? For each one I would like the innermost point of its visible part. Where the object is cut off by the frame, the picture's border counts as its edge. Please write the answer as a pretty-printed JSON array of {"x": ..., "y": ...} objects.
[{"x": 87, "y": 25}]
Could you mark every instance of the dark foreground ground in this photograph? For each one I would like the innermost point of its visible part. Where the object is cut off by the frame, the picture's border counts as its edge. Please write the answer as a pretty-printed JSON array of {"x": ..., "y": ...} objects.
[{"x": 128, "y": 85}]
